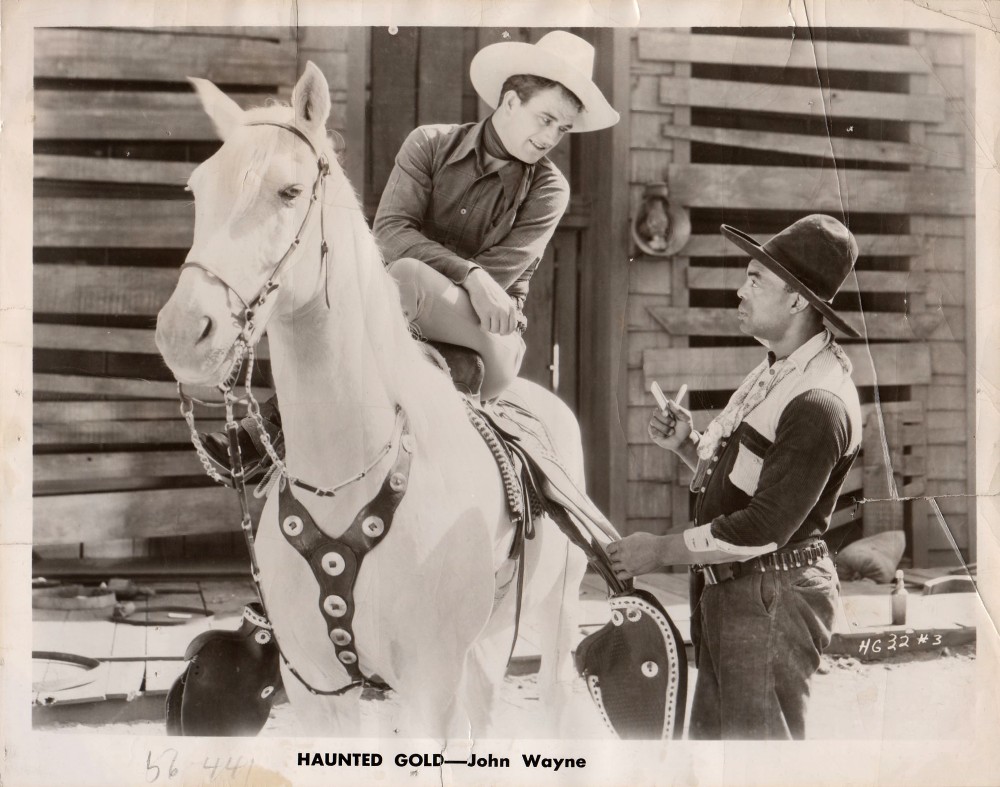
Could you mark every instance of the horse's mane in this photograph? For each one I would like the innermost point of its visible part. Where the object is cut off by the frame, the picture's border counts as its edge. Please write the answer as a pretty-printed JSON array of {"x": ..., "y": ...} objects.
[{"x": 409, "y": 378}]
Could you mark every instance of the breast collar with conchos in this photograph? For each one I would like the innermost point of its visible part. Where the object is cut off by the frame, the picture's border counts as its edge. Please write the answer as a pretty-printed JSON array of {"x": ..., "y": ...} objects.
[{"x": 335, "y": 562}]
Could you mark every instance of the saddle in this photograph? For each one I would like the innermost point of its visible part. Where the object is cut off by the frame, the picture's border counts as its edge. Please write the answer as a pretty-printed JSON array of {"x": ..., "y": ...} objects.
[{"x": 635, "y": 666}]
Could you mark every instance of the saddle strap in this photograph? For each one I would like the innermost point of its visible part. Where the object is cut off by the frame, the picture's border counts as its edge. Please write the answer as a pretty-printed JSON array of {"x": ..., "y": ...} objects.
[
  {"x": 335, "y": 562},
  {"x": 502, "y": 456},
  {"x": 569, "y": 507}
]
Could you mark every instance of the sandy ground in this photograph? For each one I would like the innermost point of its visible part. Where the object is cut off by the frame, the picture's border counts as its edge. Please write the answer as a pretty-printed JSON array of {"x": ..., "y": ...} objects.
[{"x": 923, "y": 696}]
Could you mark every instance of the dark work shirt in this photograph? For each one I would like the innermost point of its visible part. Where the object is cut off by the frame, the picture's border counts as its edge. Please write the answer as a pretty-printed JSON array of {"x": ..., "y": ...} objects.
[
  {"x": 778, "y": 476},
  {"x": 441, "y": 206}
]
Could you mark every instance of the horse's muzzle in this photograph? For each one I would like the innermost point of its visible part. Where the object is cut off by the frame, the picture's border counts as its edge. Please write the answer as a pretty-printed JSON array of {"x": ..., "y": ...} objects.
[{"x": 196, "y": 331}]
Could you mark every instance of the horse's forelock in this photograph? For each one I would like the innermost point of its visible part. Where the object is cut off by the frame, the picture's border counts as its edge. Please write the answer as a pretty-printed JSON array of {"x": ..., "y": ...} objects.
[{"x": 249, "y": 176}]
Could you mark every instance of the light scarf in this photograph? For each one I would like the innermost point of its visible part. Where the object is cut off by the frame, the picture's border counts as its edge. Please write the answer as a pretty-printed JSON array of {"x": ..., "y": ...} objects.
[{"x": 756, "y": 386}]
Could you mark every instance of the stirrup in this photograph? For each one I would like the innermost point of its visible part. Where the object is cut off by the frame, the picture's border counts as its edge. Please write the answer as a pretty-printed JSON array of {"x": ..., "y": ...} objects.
[{"x": 229, "y": 683}]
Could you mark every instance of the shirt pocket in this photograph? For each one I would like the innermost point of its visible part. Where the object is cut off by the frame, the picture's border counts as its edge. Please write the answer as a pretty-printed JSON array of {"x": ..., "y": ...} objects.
[
  {"x": 499, "y": 229},
  {"x": 745, "y": 474}
]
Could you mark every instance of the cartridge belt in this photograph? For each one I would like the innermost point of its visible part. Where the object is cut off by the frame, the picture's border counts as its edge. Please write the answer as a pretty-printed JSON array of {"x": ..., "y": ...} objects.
[{"x": 782, "y": 560}]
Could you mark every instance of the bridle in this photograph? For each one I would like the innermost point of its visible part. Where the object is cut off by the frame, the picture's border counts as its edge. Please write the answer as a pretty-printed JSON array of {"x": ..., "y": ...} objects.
[
  {"x": 252, "y": 306},
  {"x": 243, "y": 346},
  {"x": 243, "y": 350}
]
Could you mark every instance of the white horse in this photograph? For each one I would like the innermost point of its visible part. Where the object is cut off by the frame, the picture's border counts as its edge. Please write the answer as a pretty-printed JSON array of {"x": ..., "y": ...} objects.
[{"x": 343, "y": 360}]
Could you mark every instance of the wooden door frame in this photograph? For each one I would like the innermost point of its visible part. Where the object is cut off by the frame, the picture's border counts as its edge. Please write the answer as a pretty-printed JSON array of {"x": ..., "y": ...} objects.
[{"x": 604, "y": 284}]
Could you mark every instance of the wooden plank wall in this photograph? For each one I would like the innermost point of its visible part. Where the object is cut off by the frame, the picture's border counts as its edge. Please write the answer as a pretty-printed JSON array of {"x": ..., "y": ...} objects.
[
  {"x": 752, "y": 129},
  {"x": 946, "y": 270},
  {"x": 118, "y": 131}
]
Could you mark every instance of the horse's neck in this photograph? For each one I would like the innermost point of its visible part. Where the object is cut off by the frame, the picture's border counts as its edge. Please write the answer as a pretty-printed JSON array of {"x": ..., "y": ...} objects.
[{"x": 335, "y": 410}]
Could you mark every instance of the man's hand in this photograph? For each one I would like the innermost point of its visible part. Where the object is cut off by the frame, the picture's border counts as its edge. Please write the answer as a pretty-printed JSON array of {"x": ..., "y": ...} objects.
[
  {"x": 496, "y": 310},
  {"x": 636, "y": 554},
  {"x": 670, "y": 429}
]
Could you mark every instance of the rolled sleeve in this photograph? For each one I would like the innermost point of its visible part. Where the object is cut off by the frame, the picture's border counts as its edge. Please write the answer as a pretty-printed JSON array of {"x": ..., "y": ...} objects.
[
  {"x": 399, "y": 220},
  {"x": 810, "y": 439},
  {"x": 513, "y": 258}
]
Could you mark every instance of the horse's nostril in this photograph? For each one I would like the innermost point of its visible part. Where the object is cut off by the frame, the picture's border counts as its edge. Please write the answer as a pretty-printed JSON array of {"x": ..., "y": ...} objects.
[{"x": 206, "y": 328}]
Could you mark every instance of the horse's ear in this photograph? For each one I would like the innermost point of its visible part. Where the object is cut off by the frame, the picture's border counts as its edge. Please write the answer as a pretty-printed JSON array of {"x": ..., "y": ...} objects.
[
  {"x": 223, "y": 111},
  {"x": 311, "y": 99}
]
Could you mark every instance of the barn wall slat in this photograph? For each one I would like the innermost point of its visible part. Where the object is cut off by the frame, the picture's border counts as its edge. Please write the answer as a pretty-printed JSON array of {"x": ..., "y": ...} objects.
[
  {"x": 789, "y": 188},
  {"x": 865, "y": 281},
  {"x": 143, "y": 514},
  {"x": 725, "y": 322},
  {"x": 117, "y": 432},
  {"x": 123, "y": 387},
  {"x": 740, "y": 360},
  {"x": 123, "y": 340},
  {"x": 827, "y": 147},
  {"x": 155, "y": 55},
  {"x": 112, "y": 170},
  {"x": 113, "y": 223},
  {"x": 60, "y": 412},
  {"x": 868, "y": 245},
  {"x": 129, "y": 115},
  {"x": 906, "y": 363},
  {"x": 79, "y": 289},
  {"x": 764, "y": 97},
  {"x": 782, "y": 53}
]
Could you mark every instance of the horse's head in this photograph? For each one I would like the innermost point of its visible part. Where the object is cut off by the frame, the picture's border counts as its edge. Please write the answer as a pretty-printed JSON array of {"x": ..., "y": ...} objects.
[{"x": 257, "y": 243}]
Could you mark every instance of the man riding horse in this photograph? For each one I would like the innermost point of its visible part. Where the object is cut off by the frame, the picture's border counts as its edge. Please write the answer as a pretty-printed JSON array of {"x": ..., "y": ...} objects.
[{"x": 468, "y": 211}]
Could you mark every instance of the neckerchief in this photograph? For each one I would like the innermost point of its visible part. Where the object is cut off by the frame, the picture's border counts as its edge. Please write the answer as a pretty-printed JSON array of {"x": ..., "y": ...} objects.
[{"x": 492, "y": 143}]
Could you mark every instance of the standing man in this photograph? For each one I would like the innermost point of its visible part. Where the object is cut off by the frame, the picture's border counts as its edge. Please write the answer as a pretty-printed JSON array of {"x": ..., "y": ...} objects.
[
  {"x": 467, "y": 213},
  {"x": 768, "y": 471}
]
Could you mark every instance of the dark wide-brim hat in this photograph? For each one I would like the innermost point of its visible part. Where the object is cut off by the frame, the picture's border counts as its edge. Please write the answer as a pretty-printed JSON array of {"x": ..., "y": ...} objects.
[{"x": 814, "y": 256}]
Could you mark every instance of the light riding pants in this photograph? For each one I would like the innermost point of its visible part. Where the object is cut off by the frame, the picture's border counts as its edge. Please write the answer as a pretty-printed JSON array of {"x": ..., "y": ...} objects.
[{"x": 443, "y": 312}]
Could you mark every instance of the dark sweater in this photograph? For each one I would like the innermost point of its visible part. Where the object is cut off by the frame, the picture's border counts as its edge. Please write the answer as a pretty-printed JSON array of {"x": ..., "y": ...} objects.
[
  {"x": 801, "y": 474},
  {"x": 778, "y": 475}
]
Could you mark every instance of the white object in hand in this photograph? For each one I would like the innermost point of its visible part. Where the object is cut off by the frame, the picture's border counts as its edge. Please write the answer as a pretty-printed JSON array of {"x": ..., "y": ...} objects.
[
  {"x": 661, "y": 400},
  {"x": 664, "y": 404}
]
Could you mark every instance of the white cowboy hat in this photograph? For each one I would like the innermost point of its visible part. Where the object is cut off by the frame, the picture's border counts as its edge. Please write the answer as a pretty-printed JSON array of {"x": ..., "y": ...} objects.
[{"x": 559, "y": 56}]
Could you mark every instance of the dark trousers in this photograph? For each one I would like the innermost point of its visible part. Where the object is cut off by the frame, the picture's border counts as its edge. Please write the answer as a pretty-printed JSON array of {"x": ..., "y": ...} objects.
[{"x": 759, "y": 639}]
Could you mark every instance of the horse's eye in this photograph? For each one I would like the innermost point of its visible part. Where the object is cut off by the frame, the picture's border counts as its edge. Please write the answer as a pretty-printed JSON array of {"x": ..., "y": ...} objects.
[{"x": 289, "y": 193}]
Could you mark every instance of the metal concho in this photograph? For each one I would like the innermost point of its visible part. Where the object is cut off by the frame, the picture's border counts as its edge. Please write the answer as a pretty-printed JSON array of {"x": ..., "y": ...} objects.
[
  {"x": 333, "y": 564},
  {"x": 373, "y": 526},
  {"x": 340, "y": 637},
  {"x": 334, "y": 606},
  {"x": 292, "y": 525}
]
